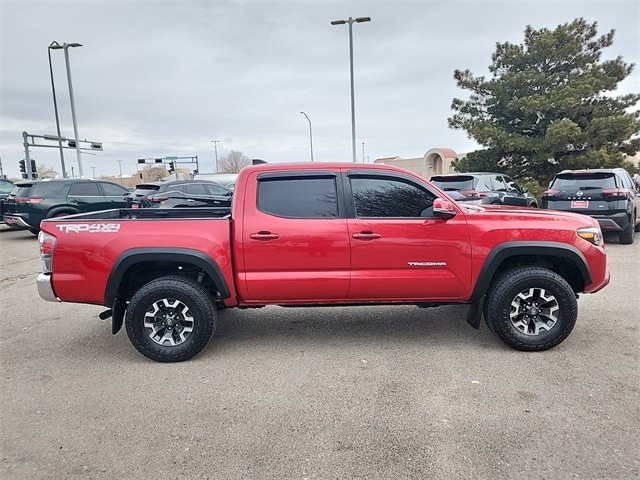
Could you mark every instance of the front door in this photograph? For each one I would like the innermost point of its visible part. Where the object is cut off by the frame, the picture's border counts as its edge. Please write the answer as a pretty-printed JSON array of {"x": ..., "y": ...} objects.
[{"x": 399, "y": 250}]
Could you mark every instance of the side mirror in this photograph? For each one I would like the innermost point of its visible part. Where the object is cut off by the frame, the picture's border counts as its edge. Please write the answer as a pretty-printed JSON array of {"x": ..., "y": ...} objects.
[{"x": 443, "y": 209}]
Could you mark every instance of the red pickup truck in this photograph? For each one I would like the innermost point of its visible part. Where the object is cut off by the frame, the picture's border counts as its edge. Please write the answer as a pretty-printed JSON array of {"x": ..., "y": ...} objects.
[{"x": 324, "y": 234}]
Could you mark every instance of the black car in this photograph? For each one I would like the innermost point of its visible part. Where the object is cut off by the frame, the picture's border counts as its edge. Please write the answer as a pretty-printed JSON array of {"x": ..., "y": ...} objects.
[
  {"x": 484, "y": 188},
  {"x": 606, "y": 194},
  {"x": 31, "y": 201},
  {"x": 152, "y": 194},
  {"x": 175, "y": 199},
  {"x": 5, "y": 189}
]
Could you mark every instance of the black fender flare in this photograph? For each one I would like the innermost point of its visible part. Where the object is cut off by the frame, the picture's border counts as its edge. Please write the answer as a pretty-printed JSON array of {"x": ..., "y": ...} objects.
[
  {"x": 181, "y": 255},
  {"x": 510, "y": 249}
]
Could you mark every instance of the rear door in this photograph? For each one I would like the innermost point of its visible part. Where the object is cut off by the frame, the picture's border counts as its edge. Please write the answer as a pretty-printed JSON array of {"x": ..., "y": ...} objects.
[
  {"x": 293, "y": 242},
  {"x": 399, "y": 250}
]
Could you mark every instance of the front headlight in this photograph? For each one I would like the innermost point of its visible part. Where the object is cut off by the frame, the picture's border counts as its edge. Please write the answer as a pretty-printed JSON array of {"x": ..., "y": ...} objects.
[{"x": 591, "y": 234}]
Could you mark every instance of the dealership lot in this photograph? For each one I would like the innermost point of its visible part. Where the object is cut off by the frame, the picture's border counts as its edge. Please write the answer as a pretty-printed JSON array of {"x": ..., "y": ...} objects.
[{"x": 350, "y": 392}]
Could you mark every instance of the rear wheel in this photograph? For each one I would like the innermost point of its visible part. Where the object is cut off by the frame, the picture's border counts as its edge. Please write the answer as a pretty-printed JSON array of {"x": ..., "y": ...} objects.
[
  {"x": 626, "y": 237},
  {"x": 531, "y": 308},
  {"x": 171, "y": 319}
]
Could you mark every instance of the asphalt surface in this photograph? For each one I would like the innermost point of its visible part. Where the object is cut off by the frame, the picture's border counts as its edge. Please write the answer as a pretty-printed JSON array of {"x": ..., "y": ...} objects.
[{"x": 318, "y": 393}]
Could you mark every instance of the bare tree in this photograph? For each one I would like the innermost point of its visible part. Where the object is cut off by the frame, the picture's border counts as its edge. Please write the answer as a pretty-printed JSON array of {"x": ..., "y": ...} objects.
[
  {"x": 233, "y": 162},
  {"x": 44, "y": 171},
  {"x": 153, "y": 173}
]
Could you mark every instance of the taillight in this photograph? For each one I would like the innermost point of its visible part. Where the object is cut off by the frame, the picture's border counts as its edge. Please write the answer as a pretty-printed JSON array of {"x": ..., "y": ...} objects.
[
  {"x": 613, "y": 193},
  {"x": 28, "y": 200},
  {"x": 157, "y": 198},
  {"x": 47, "y": 245},
  {"x": 550, "y": 193},
  {"x": 473, "y": 193}
]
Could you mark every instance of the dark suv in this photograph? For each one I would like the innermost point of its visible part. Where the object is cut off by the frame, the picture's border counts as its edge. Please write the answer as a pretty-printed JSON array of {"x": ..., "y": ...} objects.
[
  {"x": 608, "y": 195},
  {"x": 31, "y": 201},
  {"x": 5, "y": 189},
  {"x": 484, "y": 188},
  {"x": 180, "y": 193}
]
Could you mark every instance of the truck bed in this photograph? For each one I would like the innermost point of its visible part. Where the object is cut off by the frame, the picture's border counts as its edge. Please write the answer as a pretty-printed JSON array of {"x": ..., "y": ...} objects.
[{"x": 147, "y": 213}]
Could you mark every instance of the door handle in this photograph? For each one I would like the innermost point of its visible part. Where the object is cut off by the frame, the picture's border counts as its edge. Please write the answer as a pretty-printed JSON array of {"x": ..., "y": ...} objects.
[
  {"x": 366, "y": 235},
  {"x": 264, "y": 236}
]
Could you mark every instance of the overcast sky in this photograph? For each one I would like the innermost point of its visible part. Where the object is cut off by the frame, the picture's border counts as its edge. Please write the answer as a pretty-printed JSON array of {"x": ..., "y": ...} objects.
[{"x": 158, "y": 79}]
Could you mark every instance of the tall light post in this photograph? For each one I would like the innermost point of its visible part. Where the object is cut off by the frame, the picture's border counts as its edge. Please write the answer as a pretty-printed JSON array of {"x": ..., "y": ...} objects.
[
  {"x": 120, "y": 164},
  {"x": 215, "y": 146},
  {"x": 350, "y": 21},
  {"x": 66, "y": 46},
  {"x": 56, "y": 46},
  {"x": 310, "y": 134}
]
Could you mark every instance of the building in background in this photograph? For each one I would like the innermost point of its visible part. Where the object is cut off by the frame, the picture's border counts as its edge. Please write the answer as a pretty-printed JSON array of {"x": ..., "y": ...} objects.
[{"x": 436, "y": 161}]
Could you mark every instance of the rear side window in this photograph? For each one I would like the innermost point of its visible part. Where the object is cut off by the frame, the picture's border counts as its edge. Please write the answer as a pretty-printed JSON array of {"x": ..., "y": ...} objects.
[
  {"x": 47, "y": 189},
  {"x": 590, "y": 181},
  {"x": 6, "y": 187},
  {"x": 309, "y": 197},
  {"x": 454, "y": 183},
  {"x": 85, "y": 189},
  {"x": 390, "y": 197}
]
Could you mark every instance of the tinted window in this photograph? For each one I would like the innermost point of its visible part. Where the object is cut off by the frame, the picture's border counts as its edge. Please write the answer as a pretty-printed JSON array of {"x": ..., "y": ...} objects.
[
  {"x": 144, "y": 190},
  {"x": 453, "y": 183},
  {"x": 194, "y": 188},
  {"x": 6, "y": 187},
  {"x": 587, "y": 181},
  {"x": 386, "y": 197},
  {"x": 218, "y": 190},
  {"x": 298, "y": 197},
  {"x": 111, "y": 190},
  {"x": 84, "y": 189},
  {"x": 48, "y": 189}
]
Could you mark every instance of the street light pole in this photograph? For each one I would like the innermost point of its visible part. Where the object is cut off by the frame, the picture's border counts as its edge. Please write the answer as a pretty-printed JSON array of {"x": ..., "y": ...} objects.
[
  {"x": 215, "y": 145},
  {"x": 66, "y": 46},
  {"x": 310, "y": 134},
  {"x": 56, "y": 46},
  {"x": 350, "y": 21},
  {"x": 120, "y": 164}
]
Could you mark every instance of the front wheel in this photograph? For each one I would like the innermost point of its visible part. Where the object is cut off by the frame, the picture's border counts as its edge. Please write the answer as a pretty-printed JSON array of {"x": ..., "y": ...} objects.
[
  {"x": 171, "y": 319},
  {"x": 531, "y": 308}
]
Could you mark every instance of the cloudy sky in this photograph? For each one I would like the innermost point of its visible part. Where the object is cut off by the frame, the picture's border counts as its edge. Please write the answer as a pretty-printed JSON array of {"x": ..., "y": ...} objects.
[{"x": 158, "y": 79}]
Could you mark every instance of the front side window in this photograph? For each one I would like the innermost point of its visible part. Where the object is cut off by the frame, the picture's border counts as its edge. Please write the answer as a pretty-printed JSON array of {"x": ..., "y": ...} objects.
[
  {"x": 111, "y": 190},
  {"x": 306, "y": 197},
  {"x": 390, "y": 197}
]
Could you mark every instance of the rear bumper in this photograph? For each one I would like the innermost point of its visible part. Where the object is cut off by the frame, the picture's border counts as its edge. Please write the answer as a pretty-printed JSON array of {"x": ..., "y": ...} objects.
[
  {"x": 15, "y": 222},
  {"x": 45, "y": 288},
  {"x": 617, "y": 222}
]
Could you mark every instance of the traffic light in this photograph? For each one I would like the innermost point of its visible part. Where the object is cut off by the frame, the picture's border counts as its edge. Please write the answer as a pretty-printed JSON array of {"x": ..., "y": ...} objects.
[
  {"x": 172, "y": 167},
  {"x": 34, "y": 170},
  {"x": 23, "y": 169}
]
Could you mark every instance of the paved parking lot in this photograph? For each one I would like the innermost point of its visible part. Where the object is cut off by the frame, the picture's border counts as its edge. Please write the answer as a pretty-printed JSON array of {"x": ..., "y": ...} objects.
[{"x": 367, "y": 393}]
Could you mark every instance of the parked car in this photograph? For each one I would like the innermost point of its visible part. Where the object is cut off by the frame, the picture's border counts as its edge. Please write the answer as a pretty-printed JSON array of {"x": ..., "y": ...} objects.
[
  {"x": 484, "y": 188},
  {"x": 606, "y": 194},
  {"x": 151, "y": 194},
  {"x": 6, "y": 186},
  {"x": 175, "y": 199},
  {"x": 31, "y": 201}
]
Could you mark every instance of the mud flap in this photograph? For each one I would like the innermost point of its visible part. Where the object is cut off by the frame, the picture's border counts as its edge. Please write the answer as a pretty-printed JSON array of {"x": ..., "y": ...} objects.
[
  {"x": 119, "y": 307},
  {"x": 474, "y": 314}
]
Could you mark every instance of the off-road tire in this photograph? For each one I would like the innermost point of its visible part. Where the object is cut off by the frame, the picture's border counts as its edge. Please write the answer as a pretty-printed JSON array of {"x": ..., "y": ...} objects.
[
  {"x": 171, "y": 319},
  {"x": 531, "y": 308}
]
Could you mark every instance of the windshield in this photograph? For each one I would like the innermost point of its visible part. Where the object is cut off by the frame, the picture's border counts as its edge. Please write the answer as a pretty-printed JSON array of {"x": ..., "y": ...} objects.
[
  {"x": 587, "y": 181},
  {"x": 453, "y": 183}
]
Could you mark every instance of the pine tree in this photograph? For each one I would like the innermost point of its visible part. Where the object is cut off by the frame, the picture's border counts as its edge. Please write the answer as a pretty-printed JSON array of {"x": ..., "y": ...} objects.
[{"x": 549, "y": 105}]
